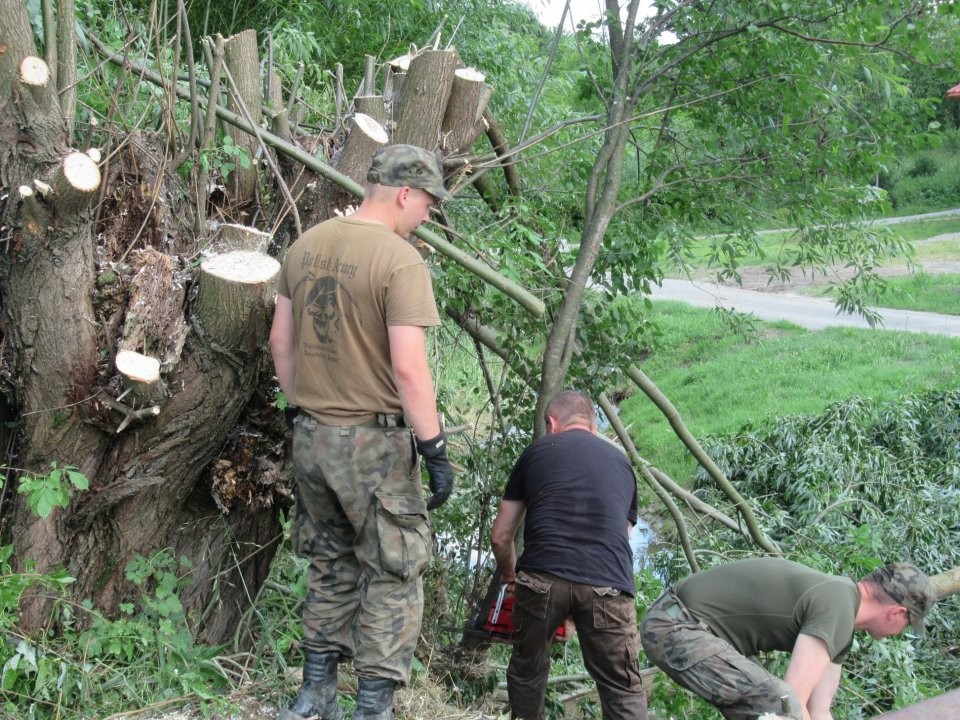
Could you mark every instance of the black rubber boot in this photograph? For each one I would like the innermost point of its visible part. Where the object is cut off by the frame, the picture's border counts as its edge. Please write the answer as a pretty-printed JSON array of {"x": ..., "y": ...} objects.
[
  {"x": 374, "y": 699},
  {"x": 318, "y": 694}
]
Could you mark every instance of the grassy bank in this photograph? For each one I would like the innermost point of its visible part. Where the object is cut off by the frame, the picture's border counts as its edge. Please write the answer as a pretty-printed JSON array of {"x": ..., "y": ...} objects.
[
  {"x": 772, "y": 244},
  {"x": 721, "y": 383},
  {"x": 922, "y": 290}
]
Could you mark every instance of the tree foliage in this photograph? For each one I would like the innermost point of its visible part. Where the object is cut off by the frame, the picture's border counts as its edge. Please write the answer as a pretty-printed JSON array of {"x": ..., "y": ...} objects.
[{"x": 858, "y": 486}]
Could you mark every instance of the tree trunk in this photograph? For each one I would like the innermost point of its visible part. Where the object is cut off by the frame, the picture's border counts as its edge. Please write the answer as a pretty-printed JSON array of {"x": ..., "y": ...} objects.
[
  {"x": 145, "y": 434},
  {"x": 242, "y": 62},
  {"x": 463, "y": 119},
  {"x": 418, "y": 106}
]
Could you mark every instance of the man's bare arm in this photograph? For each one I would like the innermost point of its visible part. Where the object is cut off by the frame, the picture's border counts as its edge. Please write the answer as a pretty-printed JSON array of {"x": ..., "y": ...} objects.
[
  {"x": 408, "y": 357},
  {"x": 283, "y": 346},
  {"x": 502, "y": 533},
  {"x": 808, "y": 667}
]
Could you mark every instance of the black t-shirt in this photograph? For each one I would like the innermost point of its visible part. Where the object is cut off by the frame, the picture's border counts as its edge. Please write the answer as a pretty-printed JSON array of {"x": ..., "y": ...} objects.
[{"x": 580, "y": 492}]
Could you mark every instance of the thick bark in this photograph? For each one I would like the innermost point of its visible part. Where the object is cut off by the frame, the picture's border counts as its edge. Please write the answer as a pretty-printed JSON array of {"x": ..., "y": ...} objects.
[{"x": 66, "y": 312}]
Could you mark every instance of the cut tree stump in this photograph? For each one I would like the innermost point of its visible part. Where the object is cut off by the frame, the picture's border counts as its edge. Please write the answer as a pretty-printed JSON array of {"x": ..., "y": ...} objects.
[
  {"x": 463, "y": 120},
  {"x": 419, "y": 106},
  {"x": 141, "y": 378},
  {"x": 236, "y": 295},
  {"x": 231, "y": 237},
  {"x": 353, "y": 159}
]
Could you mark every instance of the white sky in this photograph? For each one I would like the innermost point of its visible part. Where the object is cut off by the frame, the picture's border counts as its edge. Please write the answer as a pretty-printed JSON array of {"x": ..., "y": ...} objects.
[{"x": 549, "y": 11}]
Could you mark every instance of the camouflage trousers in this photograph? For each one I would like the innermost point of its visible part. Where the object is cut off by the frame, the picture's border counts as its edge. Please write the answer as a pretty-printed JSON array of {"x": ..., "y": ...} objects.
[
  {"x": 688, "y": 651},
  {"x": 361, "y": 521}
]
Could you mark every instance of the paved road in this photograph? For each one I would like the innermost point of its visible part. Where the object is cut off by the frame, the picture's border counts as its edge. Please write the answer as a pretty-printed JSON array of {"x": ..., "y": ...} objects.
[{"x": 808, "y": 312}]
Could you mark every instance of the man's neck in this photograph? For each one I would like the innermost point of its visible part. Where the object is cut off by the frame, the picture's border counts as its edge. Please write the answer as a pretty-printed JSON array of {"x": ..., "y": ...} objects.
[{"x": 575, "y": 426}]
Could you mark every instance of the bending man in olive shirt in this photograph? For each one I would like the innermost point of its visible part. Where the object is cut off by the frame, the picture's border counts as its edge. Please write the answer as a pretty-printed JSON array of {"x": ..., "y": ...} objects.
[{"x": 703, "y": 631}]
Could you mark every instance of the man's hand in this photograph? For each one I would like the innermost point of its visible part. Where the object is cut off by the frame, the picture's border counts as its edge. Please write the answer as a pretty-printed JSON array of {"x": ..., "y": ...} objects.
[{"x": 434, "y": 453}]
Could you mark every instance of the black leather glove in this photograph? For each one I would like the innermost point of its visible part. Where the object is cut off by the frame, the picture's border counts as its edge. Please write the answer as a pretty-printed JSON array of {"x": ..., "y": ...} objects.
[{"x": 434, "y": 453}]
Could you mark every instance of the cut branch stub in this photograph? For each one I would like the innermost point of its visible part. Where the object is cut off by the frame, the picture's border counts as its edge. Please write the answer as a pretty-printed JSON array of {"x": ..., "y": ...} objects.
[
  {"x": 34, "y": 71},
  {"x": 463, "y": 120},
  {"x": 236, "y": 293},
  {"x": 419, "y": 105},
  {"x": 353, "y": 160},
  {"x": 75, "y": 184},
  {"x": 372, "y": 105},
  {"x": 141, "y": 378},
  {"x": 231, "y": 237},
  {"x": 354, "y": 156}
]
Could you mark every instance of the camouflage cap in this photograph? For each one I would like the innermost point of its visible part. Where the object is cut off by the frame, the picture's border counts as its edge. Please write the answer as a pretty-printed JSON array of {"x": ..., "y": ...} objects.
[
  {"x": 399, "y": 165},
  {"x": 908, "y": 586}
]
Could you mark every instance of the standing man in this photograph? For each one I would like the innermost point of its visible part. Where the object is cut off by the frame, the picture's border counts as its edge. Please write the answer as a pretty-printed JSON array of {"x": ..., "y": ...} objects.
[
  {"x": 703, "y": 631},
  {"x": 579, "y": 495},
  {"x": 348, "y": 344}
]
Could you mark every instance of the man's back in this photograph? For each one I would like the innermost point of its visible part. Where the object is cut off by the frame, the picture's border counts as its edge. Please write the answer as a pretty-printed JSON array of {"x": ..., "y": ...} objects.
[
  {"x": 348, "y": 280},
  {"x": 580, "y": 495},
  {"x": 763, "y": 604}
]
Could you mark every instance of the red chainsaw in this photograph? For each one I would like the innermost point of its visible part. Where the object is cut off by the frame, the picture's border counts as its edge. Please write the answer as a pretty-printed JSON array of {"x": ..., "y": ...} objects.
[{"x": 499, "y": 621}]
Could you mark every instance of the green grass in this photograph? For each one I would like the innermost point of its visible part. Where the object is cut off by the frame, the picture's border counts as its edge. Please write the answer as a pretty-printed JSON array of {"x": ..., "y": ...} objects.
[
  {"x": 721, "y": 383},
  {"x": 770, "y": 244},
  {"x": 919, "y": 291}
]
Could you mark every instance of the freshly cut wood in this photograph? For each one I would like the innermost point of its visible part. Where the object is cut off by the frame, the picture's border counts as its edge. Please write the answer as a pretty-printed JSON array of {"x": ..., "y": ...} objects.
[
  {"x": 419, "y": 106},
  {"x": 231, "y": 237},
  {"x": 75, "y": 183},
  {"x": 141, "y": 378},
  {"x": 34, "y": 71},
  {"x": 947, "y": 583},
  {"x": 81, "y": 171},
  {"x": 365, "y": 137},
  {"x": 241, "y": 59},
  {"x": 371, "y": 105},
  {"x": 95, "y": 154},
  {"x": 353, "y": 160},
  {"x": 463, "y": 119},
  {"x": 235, "y": 299}
]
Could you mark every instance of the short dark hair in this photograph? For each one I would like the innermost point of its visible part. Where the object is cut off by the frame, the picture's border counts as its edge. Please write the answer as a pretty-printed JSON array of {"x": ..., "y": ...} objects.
[{"x": 571, "y": 406}]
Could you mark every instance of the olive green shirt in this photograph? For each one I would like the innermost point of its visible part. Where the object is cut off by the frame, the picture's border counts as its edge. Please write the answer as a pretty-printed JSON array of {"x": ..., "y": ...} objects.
[{"x": 763, "y": 604}]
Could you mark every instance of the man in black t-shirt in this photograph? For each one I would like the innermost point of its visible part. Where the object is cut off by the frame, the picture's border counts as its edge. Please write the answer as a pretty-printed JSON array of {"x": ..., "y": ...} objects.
[{"x": 577, "y": 497}]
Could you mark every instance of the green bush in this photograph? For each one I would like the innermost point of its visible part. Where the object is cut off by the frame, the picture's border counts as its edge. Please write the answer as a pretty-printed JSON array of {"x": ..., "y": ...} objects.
[
  {"x": 928, "y": 192},
  {"x": 859, "y": 485}
]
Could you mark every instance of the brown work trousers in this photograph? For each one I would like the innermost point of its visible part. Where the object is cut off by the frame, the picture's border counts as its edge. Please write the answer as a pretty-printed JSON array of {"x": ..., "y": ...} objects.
[{"x": 606, "y": 621}]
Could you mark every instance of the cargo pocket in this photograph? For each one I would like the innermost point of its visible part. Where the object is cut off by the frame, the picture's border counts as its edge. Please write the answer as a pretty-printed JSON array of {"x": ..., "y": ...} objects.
[
  {"x": 612, "y": 609},
  {"x": 535, "y": 596},
  {"x": 689, "y": 648},
  {"x": 404, "y": 534}
]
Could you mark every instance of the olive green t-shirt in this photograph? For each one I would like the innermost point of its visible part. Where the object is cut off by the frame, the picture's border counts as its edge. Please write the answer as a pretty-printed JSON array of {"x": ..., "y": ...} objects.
[
  {"x": 348, "y": 280},
  {"x": 765, "y": 603}
]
